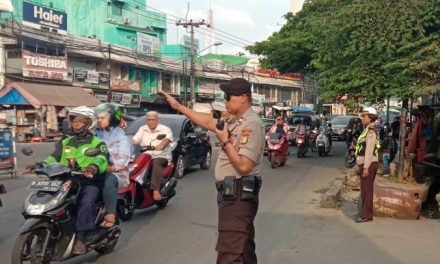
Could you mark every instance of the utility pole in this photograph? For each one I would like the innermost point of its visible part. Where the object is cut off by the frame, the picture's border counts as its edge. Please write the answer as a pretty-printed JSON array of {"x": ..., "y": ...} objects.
[
  {"x": 192, "y": 24},
  {"x": 109, "y": 69}
]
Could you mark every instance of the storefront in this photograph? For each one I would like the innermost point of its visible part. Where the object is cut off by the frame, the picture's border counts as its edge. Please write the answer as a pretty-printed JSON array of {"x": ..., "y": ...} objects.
[{"x": 35, "y": 107}]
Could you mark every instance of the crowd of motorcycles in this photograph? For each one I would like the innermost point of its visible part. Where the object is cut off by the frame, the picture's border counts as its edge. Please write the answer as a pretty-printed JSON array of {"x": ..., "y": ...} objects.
[
  {"x": 316, "y": 139},
  {"x": 48, "y": 233}
]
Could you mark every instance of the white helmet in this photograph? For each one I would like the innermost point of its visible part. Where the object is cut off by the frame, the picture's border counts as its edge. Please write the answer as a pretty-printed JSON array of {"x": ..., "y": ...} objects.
[{"x": 85, "y": 112}]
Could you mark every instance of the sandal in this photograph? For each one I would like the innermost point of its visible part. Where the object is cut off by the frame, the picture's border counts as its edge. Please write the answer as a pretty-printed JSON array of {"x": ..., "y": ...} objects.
[{"x": 106, "y": 223}]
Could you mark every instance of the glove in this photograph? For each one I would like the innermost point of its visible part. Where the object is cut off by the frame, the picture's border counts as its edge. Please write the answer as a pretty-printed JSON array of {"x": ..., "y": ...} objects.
[
  {"x": 32, "y": 167},
  {"x": 91, "y": 171}
]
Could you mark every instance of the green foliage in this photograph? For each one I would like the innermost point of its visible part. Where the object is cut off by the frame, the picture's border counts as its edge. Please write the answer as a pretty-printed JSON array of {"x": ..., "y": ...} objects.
[{"x": 369, "y": 49}]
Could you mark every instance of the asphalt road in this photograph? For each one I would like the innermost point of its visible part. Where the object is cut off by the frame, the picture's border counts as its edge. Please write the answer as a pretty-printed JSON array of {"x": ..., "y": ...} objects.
[{"x": 290, "y": 226}]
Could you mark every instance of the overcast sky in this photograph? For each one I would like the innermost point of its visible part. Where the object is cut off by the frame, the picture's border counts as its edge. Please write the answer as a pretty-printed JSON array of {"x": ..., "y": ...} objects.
[{"x": 251, "y": 20}]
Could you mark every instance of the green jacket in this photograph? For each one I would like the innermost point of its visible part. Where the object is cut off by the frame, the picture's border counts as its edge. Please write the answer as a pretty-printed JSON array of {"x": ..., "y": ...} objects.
[{"x": 75, "y": 147}]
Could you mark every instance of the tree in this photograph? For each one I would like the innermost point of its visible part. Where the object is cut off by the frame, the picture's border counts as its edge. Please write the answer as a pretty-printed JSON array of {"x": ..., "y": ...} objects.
[{"x": 368, "y": 49}]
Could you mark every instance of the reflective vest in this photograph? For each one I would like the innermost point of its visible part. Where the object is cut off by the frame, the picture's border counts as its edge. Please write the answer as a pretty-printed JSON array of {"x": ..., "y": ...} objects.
[{"x": 362, "y": 144}]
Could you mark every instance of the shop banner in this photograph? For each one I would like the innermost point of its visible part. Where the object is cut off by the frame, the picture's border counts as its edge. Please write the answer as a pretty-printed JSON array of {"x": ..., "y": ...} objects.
[
  {"x": 44, "y": 18},
  {"x": 147, "y": 44},
  {"x": 6, "y": 147},
  {"x": 44, "y": 66},
  {"x": 123, "y": 85},
  {"x": 90, "y": 79},
  {"x": 127, "y": 100}
]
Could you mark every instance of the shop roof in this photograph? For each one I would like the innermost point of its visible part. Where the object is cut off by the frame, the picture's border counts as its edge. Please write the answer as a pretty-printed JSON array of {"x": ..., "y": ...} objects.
[{"x": 38, "y": 95}]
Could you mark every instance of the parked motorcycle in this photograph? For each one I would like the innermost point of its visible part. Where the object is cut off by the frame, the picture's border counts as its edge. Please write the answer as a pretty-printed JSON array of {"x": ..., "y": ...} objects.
[
  {"x": 302, "y": 145},
  {"x": 323, "y": 143},
  {"x": 277, "y": 149},
  {"x": 350, "y": 157},
  {"x": 2, "y": 190},
  {"x": 48, "y": 233},
  {"x": 312, "y": 139},
  {"x": 137, "y": 195}
]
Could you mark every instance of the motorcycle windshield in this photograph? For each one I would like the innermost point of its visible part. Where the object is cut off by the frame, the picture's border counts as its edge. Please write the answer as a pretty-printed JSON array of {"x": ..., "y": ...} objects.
[{"x": 52, "y": 170}]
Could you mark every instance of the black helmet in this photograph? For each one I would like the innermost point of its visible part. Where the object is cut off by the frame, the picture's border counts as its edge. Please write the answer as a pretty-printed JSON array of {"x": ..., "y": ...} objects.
[{"x": 114, "y": 112}]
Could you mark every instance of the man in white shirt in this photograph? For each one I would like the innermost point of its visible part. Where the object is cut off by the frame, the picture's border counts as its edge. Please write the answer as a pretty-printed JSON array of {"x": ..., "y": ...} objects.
[{"x": 147, "y": 135}]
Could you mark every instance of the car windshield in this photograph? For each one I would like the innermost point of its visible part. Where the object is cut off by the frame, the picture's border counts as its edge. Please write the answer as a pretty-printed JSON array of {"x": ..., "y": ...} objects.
[
  {"x": 296, "y": 120},
  {"x": 340, "y": 120}
]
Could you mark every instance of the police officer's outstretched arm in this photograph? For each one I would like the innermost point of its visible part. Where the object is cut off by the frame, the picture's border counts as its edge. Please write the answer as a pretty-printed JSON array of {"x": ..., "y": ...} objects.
[{"x": 203, "y": 120}]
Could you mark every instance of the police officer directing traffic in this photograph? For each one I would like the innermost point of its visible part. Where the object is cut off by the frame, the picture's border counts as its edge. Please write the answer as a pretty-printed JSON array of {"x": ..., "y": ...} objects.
[
  {"x": 367, "y": 152},
  {"x": 236, "y": 171}
]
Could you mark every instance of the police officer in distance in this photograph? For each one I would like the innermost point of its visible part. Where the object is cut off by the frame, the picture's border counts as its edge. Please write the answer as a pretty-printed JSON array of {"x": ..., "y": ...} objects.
[
  {"x": 367, "y": 152},
  {"x": 236, "y": 171}
]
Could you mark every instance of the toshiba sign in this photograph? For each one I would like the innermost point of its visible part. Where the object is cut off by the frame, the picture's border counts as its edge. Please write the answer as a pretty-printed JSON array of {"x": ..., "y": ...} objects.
[{"x": 44, "y": 66}]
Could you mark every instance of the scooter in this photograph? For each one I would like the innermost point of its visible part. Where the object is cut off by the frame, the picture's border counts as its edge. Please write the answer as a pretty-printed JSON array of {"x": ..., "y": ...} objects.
[
  {"x": 350, "y": 157},
  {"x": 323, "y": 143},
  {"x": 137, "y": 195},
  {"x": 48, "y": 233},
  {"x": 277, "y": 149},
  {"x": 2, "y": 190},
  {"x": 312, "y": 139},
  {"x": 302, "y": 145}
]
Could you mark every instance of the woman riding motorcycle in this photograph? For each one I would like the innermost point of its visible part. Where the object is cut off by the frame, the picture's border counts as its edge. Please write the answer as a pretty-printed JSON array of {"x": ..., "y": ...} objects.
[
  {"x": 119, "y": 147},
  {"x": 81, "y": 121}
]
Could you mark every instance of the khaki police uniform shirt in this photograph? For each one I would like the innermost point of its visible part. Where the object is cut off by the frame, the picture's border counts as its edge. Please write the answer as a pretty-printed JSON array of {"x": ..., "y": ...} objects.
[
  {"x": 247, "y": 136},
  {"x": 370, "y": 146}
]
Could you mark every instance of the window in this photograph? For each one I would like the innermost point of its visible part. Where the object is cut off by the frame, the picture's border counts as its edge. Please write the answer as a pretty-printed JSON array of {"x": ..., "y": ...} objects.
[{"x": 117, "y": 9}]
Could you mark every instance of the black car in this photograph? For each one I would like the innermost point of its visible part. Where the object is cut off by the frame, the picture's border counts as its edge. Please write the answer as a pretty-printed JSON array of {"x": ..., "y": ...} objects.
[{"x": 193, "y": 146}]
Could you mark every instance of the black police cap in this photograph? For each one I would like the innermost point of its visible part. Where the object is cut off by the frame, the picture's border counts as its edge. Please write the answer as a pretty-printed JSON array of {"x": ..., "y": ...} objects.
[{"x": 236, "y": 86}]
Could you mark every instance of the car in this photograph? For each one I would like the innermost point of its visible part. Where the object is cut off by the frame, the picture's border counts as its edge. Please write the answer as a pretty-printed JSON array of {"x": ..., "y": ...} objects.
[
  {"x": 340, "y": 124},
  {"x": 267, "y": 122},
  {"x": 192, "y": 144}
]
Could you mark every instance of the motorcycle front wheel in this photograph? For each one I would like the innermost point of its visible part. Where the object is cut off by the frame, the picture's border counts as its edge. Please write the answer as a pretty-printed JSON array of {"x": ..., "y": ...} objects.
[
  {"x": 28, "y": 246},
  {"x": 123, "y": 209},
  {"x": 274, "y": 162}
]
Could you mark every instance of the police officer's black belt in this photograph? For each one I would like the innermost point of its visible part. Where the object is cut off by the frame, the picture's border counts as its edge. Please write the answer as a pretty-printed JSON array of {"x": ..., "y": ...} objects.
[{"x": 247, "y": 187}]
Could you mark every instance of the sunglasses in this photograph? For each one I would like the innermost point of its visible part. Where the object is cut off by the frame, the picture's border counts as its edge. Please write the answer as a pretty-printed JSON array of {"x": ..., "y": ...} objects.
[{"x": 227, "y": 97}]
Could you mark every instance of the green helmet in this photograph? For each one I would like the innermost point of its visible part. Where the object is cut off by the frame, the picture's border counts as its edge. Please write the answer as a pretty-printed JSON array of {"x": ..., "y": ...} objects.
[{"x": 114, "y": 112}]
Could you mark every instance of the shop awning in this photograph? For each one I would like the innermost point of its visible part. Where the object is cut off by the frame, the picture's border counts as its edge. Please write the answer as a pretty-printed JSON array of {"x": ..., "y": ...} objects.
[
  {"x": 42, "y": 94},
  {"x": 301, "y": 109}
]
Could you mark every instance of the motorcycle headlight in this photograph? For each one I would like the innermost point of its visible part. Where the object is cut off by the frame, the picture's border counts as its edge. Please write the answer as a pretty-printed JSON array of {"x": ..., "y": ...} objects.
[{"x": 39, "y": 208}]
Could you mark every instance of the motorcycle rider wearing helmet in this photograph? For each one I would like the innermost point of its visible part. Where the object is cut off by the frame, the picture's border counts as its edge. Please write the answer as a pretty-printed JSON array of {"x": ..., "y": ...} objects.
[
  {"x": 329, "y": 132},
  {"x": 82, "y": 120},
  {"x": 109, "y": 117},
  {"x": 146, "y": 135},
  {"x": 280, "y": 127}
]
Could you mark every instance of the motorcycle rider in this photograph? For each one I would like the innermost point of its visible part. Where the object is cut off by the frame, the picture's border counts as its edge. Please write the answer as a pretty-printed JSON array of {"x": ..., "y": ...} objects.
[
  {"x": 82, "y": 120},
  {"x": 329, "y": 132},
  {"x": 109, "y": 117},
  {"x": 280, "y": 127},
  {"x": 147, "y": 135}
]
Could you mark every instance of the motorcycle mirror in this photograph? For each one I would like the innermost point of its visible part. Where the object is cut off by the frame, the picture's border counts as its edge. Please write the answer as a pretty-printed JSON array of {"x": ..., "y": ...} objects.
[
  {"x": 161, "y": 136},
  {"x": 27, "y": 151},
  {"x": 92, "y": 152}
]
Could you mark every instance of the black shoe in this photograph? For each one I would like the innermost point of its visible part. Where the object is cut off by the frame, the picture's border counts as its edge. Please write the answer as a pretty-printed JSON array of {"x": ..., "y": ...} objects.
[{"x": 363, "y": 220}]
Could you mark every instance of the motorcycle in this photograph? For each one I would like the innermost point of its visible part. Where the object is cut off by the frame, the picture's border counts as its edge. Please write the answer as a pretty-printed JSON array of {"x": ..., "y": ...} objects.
[
  {"x": 323, "y": 143},
  {"x": 277, "y": 149},
  {"x": 301, "y": 144},
  {"x": 2, "y": 190},
  {"x": 312, "y": 139},
  {"x": 350, "y": 157},
  {"x": 137, "y": 195},
  {"x": 48, "y": 233}
]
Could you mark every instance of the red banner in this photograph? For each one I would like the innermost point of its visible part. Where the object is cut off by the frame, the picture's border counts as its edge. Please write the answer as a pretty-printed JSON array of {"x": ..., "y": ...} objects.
[{"x": 276, "y": 74}]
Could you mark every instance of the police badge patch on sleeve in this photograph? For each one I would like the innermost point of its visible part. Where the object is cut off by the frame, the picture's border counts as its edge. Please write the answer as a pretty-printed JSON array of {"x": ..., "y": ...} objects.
[{"x": 245, "y": 133}]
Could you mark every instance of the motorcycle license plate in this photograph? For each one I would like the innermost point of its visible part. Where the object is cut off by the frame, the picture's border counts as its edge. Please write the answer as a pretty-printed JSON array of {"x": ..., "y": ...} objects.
[{"x": 47, "y": 186}]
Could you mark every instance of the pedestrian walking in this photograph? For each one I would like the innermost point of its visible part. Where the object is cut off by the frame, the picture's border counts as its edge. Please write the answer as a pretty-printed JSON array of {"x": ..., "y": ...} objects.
[
  {"x": 367, "y": 152},
  {"x": 237, "y": 170}
]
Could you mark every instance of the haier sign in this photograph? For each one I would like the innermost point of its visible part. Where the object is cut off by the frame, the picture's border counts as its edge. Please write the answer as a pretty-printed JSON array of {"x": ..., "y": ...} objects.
[{"x": 44, "y": 18}]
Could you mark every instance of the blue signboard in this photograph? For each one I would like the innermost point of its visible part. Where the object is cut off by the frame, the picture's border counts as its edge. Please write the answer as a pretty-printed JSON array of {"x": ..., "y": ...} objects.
[
  {"x": 6, "y": 150},
  {"x": 44, "y": 18}
]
